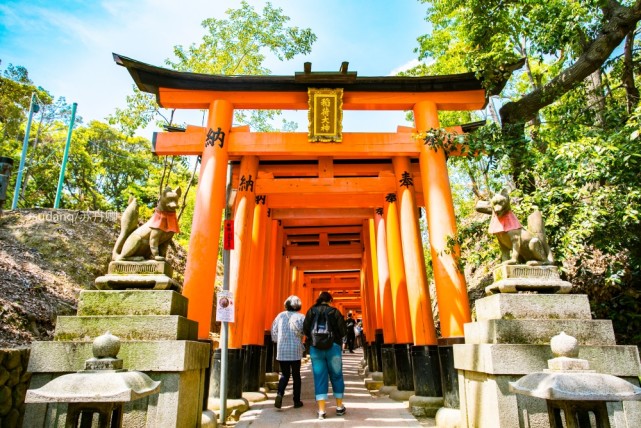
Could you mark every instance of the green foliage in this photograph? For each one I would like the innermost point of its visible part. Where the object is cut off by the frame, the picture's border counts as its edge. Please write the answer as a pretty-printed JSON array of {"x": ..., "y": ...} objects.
[
  {"x": 141, "y": 110},
  {"x": 15, "y": 95},
  {"x": 486, "y": 36},
  {"x": 105, "y": 166},
  {"x": 237, "y": 45},
  {"x": 567, "y": 144}
]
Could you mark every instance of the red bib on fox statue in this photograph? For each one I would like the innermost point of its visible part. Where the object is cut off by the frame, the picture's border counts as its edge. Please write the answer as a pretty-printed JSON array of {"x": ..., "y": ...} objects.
[
  {"x": 504, "y": 223},
  {"x": 165, "y": 221}
]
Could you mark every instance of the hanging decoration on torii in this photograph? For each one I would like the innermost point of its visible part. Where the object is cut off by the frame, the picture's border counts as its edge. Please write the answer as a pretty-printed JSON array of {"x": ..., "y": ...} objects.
[{"x": 325, "y": 115}]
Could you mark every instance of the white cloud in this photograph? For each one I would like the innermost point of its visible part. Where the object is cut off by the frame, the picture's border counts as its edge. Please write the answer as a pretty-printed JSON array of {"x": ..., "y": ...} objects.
[
  {"x": 66, "y": 45},
  {"x": 409, "y": 65}
]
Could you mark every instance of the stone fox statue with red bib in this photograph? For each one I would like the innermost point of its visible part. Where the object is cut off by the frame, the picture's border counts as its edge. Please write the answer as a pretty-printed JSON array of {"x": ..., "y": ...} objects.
[
  {"x": 518, "y": 244},
  {"x": 151, "y": 240}
]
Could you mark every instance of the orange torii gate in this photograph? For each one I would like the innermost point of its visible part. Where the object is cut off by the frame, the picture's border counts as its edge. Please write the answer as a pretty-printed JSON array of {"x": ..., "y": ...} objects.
[{"x": 356, "y": 201}]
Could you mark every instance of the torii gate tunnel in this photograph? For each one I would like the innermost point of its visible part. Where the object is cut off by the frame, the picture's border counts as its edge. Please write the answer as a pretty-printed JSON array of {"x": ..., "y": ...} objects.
[{"x": 312, "y": 216}]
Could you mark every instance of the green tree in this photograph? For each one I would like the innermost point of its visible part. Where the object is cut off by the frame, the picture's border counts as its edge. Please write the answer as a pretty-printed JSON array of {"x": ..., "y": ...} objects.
[
  {"x": 565, "y": 45},
  {"x": 15, "y": 95},
  {"x": 237, "y": 45},
  {"x": 566, "y": 138}
]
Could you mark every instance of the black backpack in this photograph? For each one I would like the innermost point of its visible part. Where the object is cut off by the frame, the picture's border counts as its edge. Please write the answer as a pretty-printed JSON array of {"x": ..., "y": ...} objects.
[{"x": 322, "y": 337}]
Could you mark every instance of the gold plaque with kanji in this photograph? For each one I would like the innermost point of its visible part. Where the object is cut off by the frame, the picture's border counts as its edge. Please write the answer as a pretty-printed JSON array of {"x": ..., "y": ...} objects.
[{"x": 325, "y": 115}]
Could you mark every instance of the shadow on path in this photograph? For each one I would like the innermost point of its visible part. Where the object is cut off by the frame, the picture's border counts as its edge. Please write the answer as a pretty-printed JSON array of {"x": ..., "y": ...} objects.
[{"x": 364, "y": 409}]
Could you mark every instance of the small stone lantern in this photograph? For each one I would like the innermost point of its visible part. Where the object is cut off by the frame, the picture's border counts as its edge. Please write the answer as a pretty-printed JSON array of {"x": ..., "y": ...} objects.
[
  {"x": 573, "y": 392},
  {"x": 101, "y": 388}
]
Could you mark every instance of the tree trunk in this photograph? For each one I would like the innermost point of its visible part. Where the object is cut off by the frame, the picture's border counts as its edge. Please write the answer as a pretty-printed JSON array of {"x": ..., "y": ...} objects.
[
  {"x": 631, "y": 90},
  {"x": 619, "y": 22},
  {"x": 596, "y": 100}
]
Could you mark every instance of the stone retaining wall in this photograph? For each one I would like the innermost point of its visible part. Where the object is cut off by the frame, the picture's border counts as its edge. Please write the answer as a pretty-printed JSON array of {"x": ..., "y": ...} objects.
[{"x": 14, "y": 382}]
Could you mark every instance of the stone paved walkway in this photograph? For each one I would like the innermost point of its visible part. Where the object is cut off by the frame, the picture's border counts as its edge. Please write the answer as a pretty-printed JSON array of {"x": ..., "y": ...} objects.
[{"x": 364, "y": 409}]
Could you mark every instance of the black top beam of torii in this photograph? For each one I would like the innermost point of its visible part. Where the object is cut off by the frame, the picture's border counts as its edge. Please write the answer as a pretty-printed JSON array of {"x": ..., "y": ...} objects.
[{"x": 150, "y": 78}]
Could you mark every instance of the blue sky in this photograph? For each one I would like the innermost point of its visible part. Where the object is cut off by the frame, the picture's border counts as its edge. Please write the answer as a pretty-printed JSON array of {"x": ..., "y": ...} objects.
[{"x": 66, "y": 45}]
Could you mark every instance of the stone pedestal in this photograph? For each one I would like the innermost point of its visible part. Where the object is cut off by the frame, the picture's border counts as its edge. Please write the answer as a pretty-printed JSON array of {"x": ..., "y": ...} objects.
[
  {"x": 157, "y": 339},
  {"x": 389, "y": 365},
  {"x": 515, "y": 278},
  {"x": 146, "y": 275},
  {"x": 511, "y": 338}
]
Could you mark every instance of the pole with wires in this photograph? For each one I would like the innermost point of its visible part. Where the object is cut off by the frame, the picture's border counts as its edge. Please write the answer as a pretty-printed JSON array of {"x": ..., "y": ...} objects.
[
  {"x": 33, "y": 108},
  {"x": 224, "y": 337},
  {"x": 65, "y": 156}
]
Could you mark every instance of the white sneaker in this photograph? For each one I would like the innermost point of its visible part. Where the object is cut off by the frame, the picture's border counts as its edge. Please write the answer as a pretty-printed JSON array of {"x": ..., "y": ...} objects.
[{"x": 321, "y": 415}]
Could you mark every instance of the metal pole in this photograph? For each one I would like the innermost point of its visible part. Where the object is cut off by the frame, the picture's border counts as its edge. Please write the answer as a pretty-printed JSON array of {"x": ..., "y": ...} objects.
[
  {"x": 223, "y": 334},
  {"x": 65, "y": 156},
  {"x": 23, "y": 157}
]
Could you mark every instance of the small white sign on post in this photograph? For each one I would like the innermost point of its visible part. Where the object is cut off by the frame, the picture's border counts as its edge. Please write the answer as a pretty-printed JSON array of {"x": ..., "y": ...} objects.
[{"x": 225, "y": 306}]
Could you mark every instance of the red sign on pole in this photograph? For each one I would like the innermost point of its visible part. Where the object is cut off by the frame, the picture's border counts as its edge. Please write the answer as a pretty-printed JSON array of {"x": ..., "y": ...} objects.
[{"x": 228, "y": 238}]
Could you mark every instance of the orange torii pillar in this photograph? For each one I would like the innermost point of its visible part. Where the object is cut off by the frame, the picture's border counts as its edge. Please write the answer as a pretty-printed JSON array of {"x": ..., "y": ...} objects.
[
  {"x": 293, "y": 280},
  {"x": 299, "y": 281},
  {"x": 374, "y": 258},
  {"x": 363, "y": 285},
  {"x": 200, "y": 272},
  {"x": 268, "y": 269},
  {"x": 451, "y": 291},
  {"x": 270, "y": 236},
  {"x": 425, "y": 361},
  {"x": 398, "y": 281},
  {"x": 272, "y": 273},
  {"x": 388, "y": 366},
  {"x": 253, "y": 335},
  {"x": 339, "y": 306},
  {"x": 364, "y": 313},
  {"x": 306, "y": 297},
  {"x": 239, "y": 259},
  {"x": 279, "y": 266},
  {"x": 371, "y": 292},
  {"x": 367, "y": 339},
  {"x": 378, "y": 334},
  {"x": 286, "y": 281}
]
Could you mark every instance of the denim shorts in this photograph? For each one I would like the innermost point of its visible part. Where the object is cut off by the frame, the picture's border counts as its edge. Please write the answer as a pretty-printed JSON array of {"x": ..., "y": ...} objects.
[{"x": 327, "y": 364}]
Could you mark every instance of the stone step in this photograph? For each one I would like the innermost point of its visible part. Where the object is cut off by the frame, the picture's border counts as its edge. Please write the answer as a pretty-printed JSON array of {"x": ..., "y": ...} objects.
[
  {"x": 507, "y": 359},
  {"x": 271, "y": 377},
  {"x": 533, "y": 306},
  {"x": 151, "y": 327},
  {"x": 146, "y": 356},
  {"x": 131, "y": 302},
  {"x": 373, "y": 385},
  {"x": 273, "y": 386},
  {"x": 538, "y": 332}
]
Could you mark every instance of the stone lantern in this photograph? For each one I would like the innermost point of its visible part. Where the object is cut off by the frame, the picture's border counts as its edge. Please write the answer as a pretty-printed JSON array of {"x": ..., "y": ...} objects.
[
  {"x": 101, "y": 388},
  {"x": 574, "y": 393}
]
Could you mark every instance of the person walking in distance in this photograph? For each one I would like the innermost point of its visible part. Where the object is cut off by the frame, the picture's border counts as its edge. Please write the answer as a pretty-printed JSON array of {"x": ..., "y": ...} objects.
[
  {"x": 324, "y": 327},
  {"x": 287, "y": 332},
  {"x": 351, "y": 333}
]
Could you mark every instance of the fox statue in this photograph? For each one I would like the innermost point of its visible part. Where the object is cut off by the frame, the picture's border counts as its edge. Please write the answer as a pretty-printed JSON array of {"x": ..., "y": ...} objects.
[
  {"x": 151, "y": 240},
  {"x": 518, "y": 245}
]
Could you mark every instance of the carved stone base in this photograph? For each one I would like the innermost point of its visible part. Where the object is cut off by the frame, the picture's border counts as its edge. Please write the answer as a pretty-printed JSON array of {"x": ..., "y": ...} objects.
[
  {"x": 147, "y": 267},
  {"x": 145, "y": 282},
  {"x": 147, "y": 275},
  {"x": 519, "y": 278}
]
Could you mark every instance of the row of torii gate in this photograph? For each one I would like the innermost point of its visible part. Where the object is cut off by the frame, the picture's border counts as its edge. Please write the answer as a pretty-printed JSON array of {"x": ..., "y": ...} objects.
[{"x": 312, "y": 215}]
